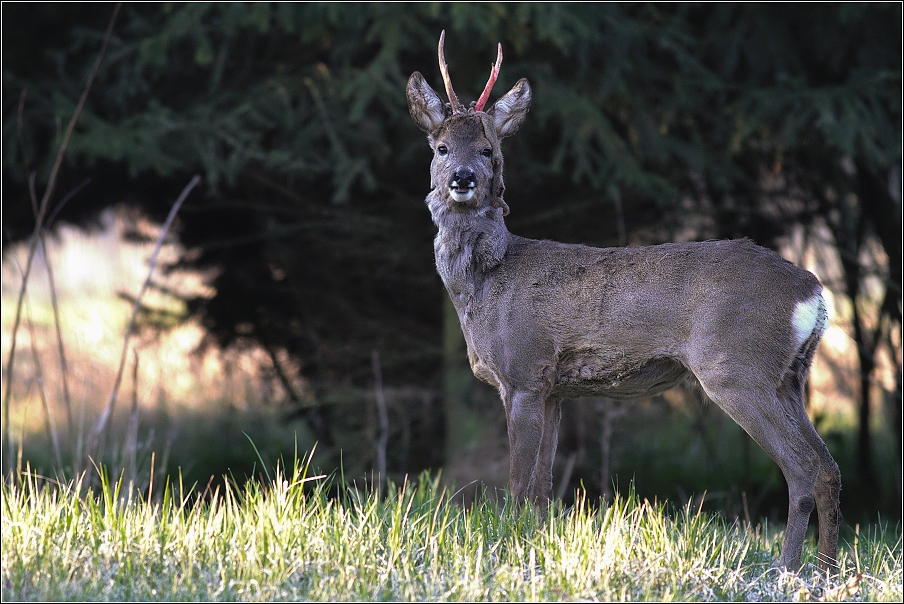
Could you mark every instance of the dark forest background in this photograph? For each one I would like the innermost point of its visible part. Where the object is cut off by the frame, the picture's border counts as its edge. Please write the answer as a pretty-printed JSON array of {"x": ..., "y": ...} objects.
[{"x": 650, "y": 123}]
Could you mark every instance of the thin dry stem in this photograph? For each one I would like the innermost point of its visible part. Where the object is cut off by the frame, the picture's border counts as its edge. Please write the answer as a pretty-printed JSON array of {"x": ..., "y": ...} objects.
[
  {"x": 383, "y": 416},
  {"x": 95, "y": 444},
  {"x": 49, "y": 421},
  {"x": 39, "y": 221},
  {"x": 130, "y": 446},
  {"x": 64, "y": 367},
  {"x": 20, "y": 128},
  {"x": 51, "y": 282}
]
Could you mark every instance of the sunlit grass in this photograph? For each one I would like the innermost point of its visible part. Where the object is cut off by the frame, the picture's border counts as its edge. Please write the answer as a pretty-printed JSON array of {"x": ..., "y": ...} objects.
[{"x": 295, "y": 538}]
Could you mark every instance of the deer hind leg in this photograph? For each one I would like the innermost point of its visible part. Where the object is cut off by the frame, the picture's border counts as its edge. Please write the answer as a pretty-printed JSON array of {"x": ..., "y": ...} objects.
[
  {"x": 828, "y": 490},
  {"x": 828, "y": 481},
  {"x": 525, "y": 418},
  {"x": 778, "y": 430}
]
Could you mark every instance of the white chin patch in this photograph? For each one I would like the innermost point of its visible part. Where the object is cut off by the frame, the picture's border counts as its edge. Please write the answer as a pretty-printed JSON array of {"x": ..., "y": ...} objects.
[
  {"x": 809, "y": 316},
  {"x": 461, "y": 197}
]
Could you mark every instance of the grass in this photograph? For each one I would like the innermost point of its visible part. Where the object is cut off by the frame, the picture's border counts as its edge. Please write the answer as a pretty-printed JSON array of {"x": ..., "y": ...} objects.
[{"x": 298, "y": 537}]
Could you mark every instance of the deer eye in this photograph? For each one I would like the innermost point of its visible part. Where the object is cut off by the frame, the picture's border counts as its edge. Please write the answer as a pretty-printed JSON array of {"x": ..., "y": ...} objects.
[
  {"x": 442, "y": 150},
  {"x": 487, "y": 153}
]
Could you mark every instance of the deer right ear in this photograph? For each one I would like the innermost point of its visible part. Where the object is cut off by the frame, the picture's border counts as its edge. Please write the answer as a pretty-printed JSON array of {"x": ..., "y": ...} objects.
[
  {"x": 508, "y": 113},
  {"x": 425, "y": 106}
]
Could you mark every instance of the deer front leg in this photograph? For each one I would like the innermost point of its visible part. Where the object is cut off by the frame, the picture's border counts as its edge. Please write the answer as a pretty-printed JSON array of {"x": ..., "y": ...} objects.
[{"x": 525, "y": 418}]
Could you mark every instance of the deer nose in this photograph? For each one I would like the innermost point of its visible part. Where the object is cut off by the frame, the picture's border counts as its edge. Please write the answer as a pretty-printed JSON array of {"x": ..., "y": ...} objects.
[{"x": 463, "y": 179}]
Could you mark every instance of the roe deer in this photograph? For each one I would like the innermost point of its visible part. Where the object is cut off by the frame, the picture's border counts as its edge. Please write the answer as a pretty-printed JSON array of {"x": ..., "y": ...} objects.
[{"x": 546, "y": 320}]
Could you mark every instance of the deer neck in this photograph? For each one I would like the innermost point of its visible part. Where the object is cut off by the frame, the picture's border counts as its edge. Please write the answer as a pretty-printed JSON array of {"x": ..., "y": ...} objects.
[{"x": 469, "y": 243}]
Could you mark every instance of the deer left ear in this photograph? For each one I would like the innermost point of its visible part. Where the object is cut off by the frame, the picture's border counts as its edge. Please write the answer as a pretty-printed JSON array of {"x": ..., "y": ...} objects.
[{"x": 509, "y": 112}]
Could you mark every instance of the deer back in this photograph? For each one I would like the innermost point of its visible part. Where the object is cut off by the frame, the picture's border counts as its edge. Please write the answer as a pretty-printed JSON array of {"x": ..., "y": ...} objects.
[
  {"x": 631, "y": 321},
  {"x": 621, "y": 321}
]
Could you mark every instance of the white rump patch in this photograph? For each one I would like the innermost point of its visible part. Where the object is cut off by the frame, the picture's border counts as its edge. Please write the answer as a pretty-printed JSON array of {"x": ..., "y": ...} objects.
[{"x": 809, "y": 316}]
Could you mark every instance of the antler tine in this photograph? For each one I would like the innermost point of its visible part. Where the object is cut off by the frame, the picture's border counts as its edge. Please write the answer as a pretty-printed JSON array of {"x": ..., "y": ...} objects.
[
  {"x": 494, "y": 73},
  {"x": 444, "y": 69}
]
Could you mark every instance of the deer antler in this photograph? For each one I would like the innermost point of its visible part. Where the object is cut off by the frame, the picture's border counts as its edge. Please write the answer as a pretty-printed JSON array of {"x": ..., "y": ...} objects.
[
  {"x": 494, "y": 73},
  {"x": 444, "y": 69}
]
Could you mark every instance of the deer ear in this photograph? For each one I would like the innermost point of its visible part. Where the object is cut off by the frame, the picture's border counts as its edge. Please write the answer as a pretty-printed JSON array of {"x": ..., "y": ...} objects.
[
  {"x": 508, "y": 113},
  {"x": 425, "y": 106}
]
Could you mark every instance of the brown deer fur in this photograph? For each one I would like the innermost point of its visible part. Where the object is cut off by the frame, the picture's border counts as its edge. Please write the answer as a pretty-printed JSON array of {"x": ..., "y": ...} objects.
[{"x": 546, "y": 320}]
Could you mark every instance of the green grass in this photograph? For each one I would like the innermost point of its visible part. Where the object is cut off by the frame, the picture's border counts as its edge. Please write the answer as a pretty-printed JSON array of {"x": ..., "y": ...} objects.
[{"x": 299, "y": 537}]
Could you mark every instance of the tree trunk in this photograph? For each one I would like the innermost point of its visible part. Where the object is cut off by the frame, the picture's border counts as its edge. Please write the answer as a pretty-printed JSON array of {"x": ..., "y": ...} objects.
[{"x": 866, "y": 352}]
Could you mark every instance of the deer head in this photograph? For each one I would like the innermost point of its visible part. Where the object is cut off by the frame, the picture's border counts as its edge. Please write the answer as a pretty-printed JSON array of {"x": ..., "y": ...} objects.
[{"x": 467, "y": 166}]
